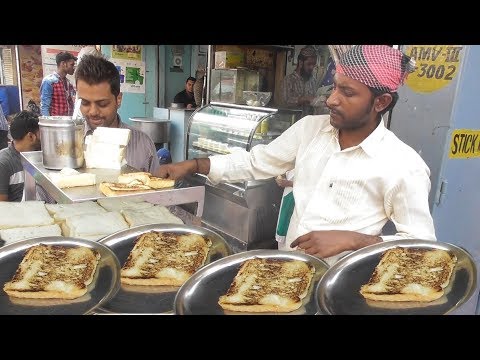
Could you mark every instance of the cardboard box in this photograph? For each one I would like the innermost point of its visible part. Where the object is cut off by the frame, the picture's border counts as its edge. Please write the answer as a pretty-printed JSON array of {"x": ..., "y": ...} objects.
[{"x": 229, "y": 59}]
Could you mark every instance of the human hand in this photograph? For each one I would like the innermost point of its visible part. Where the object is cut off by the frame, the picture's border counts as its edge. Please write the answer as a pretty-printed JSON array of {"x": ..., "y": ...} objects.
[
  {"x": 328, "y": 243},
  {"x": 189, "y": 106},
  {"x": 282, "y": 182},
  {"x": 177, "y": 170}
]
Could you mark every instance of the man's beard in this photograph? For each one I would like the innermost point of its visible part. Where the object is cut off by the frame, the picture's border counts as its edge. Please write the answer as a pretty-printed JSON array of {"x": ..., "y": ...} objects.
[{"x": 305, "y": 75}]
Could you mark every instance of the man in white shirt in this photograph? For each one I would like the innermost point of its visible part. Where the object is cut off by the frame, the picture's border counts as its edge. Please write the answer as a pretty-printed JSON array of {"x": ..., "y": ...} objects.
[{"x": 352, "y": 174}]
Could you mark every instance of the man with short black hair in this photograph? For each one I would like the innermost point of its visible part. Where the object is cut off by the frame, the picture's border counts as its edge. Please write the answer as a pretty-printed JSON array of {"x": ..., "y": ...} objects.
[
  {"x": 98, "y": 86},
  {"x": 186, "y": 96},
  {"x": 57, "y": 94},
  {"x": 25, "y": 132}
]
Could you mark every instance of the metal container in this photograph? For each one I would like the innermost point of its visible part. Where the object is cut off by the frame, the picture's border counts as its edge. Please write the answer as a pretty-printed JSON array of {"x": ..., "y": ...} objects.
[
  {"x": 62, "y": 142},
  {"x": 157, "y": 129}
]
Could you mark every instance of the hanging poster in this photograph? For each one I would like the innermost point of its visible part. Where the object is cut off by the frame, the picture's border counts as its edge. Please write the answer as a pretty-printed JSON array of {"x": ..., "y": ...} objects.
[
  {"x": 127, "y": 52},
  {"x": 31, "y": 74},
  {"x": 132, "y": 75}
]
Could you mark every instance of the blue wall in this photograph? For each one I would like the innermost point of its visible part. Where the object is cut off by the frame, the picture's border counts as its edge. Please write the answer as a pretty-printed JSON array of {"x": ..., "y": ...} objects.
[
  {"x": 140, "y": 105},
  {"x": 175, "y": 81}
]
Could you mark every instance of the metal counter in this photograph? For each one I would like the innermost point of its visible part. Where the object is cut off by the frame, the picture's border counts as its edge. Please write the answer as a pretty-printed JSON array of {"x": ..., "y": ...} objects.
[{"x": 35, "y": 172}]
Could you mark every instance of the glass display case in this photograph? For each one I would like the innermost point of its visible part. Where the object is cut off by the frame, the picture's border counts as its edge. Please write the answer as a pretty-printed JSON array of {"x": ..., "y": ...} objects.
[
  {"x": 252, "y": 205},
  {"x": 222, "y": 129},
  {"x": 228, "y": 85}
]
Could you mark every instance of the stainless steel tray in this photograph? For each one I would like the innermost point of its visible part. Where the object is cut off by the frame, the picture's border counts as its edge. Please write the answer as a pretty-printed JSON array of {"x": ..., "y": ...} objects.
[
  {"x": 105, "y": 284},
  {"x": 132, "y": 299},
  {"x": 338, "y": 291},
  {"x": 199, "y": 295}
]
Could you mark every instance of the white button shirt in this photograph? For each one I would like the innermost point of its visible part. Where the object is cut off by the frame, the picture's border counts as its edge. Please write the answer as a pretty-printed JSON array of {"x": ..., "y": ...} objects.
[{"x": 358, "y": 189}]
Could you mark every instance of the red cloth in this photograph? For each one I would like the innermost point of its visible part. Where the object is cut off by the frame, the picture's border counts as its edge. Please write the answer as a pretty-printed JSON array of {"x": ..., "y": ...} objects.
[
  {"x": 378, "y": 66},
  {"x": 62, "y": 98}
]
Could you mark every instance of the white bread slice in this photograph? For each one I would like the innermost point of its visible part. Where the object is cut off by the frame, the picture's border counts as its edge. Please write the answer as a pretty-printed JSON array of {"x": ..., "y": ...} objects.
[
  {"x": 53, "y": 271},
  {"x": 23, "y": 233},
  {"x": 67, "y": 181},
  {"x": 268, "y": 285},
  {"x": 116, "y": 136},
  {"x": 154, "y": 215},
  {"x": 96, "y": 224},
  {"x": 164, "y": 258},
  {"x": 120, "y": 203},
  {"x": 62, "y": 211},
  {"x": 409, "y": 274},
  {"x": 23, "y": 214}
]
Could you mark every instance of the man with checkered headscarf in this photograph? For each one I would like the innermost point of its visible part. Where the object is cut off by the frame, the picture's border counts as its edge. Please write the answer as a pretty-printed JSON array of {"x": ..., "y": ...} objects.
[{"x": 351, "y": 173}]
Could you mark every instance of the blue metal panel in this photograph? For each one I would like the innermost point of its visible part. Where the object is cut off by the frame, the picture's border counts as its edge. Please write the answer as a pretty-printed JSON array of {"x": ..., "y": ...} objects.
[{"x": 456, "y": 217}]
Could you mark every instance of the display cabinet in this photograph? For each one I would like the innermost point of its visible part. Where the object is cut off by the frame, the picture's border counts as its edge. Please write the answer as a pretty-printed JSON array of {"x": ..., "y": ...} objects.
[{"x": 245, "y": 212}]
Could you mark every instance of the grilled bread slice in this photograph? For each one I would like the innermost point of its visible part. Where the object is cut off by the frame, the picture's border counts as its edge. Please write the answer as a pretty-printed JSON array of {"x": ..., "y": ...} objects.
[
  {"x": 128, "y": 177},
  {"x": 268, "y": 285},
  {"x": 115, "y": 189},
  {"x": 409, "y": 274},
  {"x": 53, "y": 272},
  {"x": 164, "y": 258},
  {"x": 146, "y": 179}
]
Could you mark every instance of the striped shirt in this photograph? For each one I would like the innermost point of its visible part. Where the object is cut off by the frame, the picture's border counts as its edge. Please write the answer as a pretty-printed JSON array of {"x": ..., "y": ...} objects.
[
  {"x": 357, "y": 189},
  {"x": 140, "y": 152},
  {"x": 12, "y": 176}
]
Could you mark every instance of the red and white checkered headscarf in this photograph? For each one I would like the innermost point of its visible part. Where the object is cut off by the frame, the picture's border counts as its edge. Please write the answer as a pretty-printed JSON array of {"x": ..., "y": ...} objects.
[{"x": 378, "y": 66}]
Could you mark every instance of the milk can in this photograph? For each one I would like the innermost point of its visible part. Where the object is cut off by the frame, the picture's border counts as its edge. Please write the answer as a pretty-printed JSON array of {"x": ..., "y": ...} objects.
[{"x": 62, "y": 141}]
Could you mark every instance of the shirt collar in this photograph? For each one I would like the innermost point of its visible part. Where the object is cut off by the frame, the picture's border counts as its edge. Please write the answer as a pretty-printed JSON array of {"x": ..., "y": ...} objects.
[
  {"x": 88, "y": 130},
  {"x": 371, "y": 144}
]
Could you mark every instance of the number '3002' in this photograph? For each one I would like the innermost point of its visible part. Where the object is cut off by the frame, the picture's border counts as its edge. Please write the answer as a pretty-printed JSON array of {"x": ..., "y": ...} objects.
[{"x": 439, "y": 72}]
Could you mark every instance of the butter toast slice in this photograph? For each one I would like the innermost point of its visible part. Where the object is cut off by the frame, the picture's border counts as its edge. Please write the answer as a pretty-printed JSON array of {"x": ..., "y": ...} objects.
[
  {"x": 53, "y": 272},
  {"x": 164, "y": 258},
  {"x": 409, "y": 274},
  {"x": 268, "y": 285}
]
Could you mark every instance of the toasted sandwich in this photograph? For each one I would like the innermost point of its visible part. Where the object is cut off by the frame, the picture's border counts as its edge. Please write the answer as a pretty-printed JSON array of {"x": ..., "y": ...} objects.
[
  {"x": 146, "y": 179},
  {"x": 164, "y": 258},
  {"x": 268, "y": 285},
  {"x": 53, "y": 272},
  {"x": 409, "y": 274},
  {"x": 115, "y": 189}
]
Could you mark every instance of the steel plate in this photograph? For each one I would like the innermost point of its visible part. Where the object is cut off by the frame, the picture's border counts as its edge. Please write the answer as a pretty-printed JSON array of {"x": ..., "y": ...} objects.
[
  {"x": 105, "y": 284},
  {"x": 338, "y": 291},
  {"x": 199, "y": 295},
  {"x": 135, "y": 299}
]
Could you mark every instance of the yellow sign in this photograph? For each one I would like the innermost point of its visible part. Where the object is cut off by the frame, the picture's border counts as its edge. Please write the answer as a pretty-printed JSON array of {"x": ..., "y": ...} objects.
[
  {"x": 465, "y": 144},
  {"x": 436, "y": 65}
]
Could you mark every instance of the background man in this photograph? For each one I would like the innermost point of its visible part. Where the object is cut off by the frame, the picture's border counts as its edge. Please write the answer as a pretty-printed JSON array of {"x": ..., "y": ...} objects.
[
  {"x": 3, "y": 130},
  {"x": 186, "y": 96},
  {"x": 351, "y": 173},
  {"x": 26, "y": 137},
  {"x": 57, "y": 95},
  {"x": 300, "y": 87}
]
